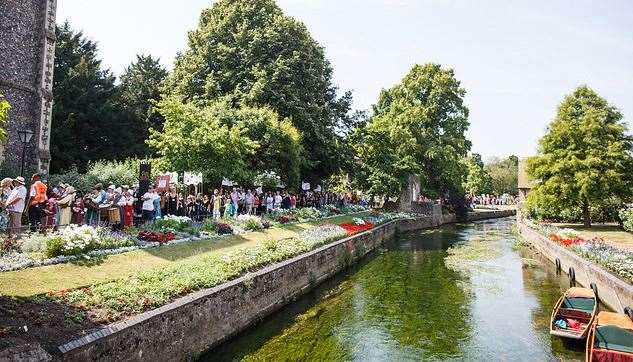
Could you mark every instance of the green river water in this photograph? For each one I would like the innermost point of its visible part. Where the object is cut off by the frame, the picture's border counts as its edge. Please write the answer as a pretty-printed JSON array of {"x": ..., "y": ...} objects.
[{"x": 460, "y": 292}]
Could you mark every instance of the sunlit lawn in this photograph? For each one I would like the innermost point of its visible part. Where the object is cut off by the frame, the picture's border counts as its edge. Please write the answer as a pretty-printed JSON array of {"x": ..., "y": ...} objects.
[
  {"x": 611, "y": 233},
  {"x": 40, "y": 280}
]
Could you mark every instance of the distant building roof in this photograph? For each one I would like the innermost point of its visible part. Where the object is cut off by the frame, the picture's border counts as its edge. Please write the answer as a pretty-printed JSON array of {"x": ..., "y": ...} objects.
[{"x": 524, "y": 179}]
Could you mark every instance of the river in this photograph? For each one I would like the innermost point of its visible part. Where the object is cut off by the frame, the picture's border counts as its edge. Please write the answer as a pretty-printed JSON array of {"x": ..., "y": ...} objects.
[{"x": 460, "y": 292}]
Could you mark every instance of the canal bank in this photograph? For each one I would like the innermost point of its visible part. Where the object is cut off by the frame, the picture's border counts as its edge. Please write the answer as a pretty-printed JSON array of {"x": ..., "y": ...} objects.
[
  {"x": 193, "y": 324},
  {"x": 612, "y": 291},
  {"x": 460, "y": 292}
]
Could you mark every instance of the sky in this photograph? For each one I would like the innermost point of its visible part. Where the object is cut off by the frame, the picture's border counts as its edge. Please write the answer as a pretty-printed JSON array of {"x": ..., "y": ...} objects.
[{"x": 516, "y": 59}]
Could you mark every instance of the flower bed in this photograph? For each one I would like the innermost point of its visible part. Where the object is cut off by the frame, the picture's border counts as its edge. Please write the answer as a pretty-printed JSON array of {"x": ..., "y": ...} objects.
[
  {"x": 352, "y": 229},
  {"x": 154, "y": 288},
  {"x": 74, "y": 242},
  {"x": 612, "y": 258}
]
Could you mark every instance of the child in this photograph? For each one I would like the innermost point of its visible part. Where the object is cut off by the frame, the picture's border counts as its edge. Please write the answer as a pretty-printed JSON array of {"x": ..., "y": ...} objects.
[{"x": 50, "y": 213}]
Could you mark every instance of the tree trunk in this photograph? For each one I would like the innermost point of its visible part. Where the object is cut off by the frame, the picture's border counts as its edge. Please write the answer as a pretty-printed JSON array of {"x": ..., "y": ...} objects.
[{"x": 586, "y": 216}]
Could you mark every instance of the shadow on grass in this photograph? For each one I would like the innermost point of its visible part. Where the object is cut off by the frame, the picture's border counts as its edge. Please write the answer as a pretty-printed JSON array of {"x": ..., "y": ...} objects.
[
  {"x": 42, "y": 320},
  {"x": 193, "y": 248},
  {"x": 595, "y": 228},
  {"x": 93, "y": 261}
]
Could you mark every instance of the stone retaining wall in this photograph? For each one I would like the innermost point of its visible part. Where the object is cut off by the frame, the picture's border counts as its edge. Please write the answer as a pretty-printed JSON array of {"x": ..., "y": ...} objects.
[
  {"x": 614, "y": 292},
  {"x": 187, "y": 327}
]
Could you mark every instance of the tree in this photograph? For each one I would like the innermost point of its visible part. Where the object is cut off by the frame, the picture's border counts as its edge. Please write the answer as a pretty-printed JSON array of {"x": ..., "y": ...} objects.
[
  {"x": 86, "y": 123},
  {"x": 4, "y": 114},
  {"x": 223, "y": 142},
  {"x": 140, "y": 85},
  {"x": 250, "y": 52},
  {"x": 584, "y": 159},
  {"x": 418, "y": 127},
  {"x": 504, "y": 175},
  {"x": 477, "y": 180}
]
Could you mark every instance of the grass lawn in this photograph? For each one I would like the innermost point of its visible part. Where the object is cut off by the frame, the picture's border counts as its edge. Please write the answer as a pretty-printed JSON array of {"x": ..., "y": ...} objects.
[
  {"x": 611, "y": 233},
  {"x": 33, "y": 281}
]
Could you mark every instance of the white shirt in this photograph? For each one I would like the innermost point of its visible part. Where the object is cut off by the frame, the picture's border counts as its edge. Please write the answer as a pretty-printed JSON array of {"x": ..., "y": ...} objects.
[
  {"x": 148, "y": 201},
  {"x": 18, "y": 193},
  {"x": 278, "y": 200}
]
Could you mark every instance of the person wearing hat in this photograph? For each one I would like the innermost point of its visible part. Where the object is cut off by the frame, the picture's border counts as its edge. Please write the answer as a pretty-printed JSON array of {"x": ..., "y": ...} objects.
[
  {"x": 65, "y": 205},
  {"x": 15, "y": 206},
  {"x": 37, "y": 201}
]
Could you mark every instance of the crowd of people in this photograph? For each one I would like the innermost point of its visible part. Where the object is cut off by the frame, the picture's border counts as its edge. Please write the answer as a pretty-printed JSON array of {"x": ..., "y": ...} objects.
[
  {"x": 52, "y": 206},
  {"x": 491, "y": 200}
]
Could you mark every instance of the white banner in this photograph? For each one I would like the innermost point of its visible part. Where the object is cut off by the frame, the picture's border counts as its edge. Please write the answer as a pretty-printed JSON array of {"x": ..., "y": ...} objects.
[
  {"x": 227, "y": 182},
  {"x": 305, "y": 186},
  {"x": 192, "y": 178},
  {"x": 173, "y": 177}
]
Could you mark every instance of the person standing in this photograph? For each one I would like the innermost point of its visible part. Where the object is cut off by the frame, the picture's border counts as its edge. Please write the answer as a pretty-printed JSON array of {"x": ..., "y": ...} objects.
[
  {"x": 235, "y": 198},
  {"x": 15, "y": 206},
  {"x": 248, "y": 202},
  {"x": 270, "y": 202},
  {"x": 37, "y": 201},
  {"x": 148, "y": 205},
  {"x": 217, "y": 203},
  {"x": 6, "y": 186},
  {"x": 126, "y": 203},
  {"x": 65, "y": 203},
  {"x": 277, "y": 201}
]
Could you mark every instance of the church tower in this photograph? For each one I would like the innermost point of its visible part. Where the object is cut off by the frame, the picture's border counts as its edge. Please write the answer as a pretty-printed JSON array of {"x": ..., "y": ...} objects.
[{"x": 27, "y": 57}]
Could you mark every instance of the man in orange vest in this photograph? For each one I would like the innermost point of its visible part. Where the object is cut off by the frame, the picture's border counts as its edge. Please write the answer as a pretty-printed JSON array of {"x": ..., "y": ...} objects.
[{"x": 37, "y": 201}]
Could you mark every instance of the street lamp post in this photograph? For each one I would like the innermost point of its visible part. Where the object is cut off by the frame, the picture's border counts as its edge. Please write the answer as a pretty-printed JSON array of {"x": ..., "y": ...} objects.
[{"x": 25, "y": 138}]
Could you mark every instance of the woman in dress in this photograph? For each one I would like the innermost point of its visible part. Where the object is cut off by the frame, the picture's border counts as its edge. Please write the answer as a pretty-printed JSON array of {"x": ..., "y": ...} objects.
[
  {"x": 6, "y": 186},
  {"x": 79, "y": 211},
  {"x": 171, "y": 204},
  {"x": 65, "y": 204},
  {"x": 126, "y": 203}
]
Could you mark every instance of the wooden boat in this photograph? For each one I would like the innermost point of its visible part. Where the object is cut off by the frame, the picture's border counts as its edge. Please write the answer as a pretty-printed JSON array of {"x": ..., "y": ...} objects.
[
  {"x": 610, "y": 338},
  {"x": 574, "y": 313}
]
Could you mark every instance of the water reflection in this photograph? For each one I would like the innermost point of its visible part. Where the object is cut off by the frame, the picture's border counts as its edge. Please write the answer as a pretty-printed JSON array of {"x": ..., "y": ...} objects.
[{"x": 406, "y": 304}]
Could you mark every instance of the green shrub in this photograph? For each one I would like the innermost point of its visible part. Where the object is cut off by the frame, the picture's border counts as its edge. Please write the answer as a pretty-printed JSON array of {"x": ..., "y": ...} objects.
[
  {"x": 253, "y": 224},
  {"x": 55, "y": 247},
  {"x": 626, "y": 215}
]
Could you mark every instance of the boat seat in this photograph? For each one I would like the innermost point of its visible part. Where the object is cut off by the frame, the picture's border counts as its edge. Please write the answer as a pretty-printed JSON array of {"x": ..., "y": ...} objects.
[
  {"x": 583, "y": 304},
  {"x": 614, "y": 338},
  {"x": 574, "y": 313}
]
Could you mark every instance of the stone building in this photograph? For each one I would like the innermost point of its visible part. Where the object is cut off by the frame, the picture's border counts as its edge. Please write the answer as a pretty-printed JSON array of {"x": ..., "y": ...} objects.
[
  {"x": 27, "y": 55},
  {"x": 525, "y": 184}
]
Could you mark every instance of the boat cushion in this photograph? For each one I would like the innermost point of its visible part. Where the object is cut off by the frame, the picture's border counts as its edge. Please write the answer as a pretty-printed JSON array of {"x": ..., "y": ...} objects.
[
  {"x": 614, "y": 338},
  {"x": 585, "y": 304}
]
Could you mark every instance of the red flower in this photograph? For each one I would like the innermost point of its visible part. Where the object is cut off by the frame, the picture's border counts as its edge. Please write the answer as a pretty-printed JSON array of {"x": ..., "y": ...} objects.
[{"x": 355, "y": 229}]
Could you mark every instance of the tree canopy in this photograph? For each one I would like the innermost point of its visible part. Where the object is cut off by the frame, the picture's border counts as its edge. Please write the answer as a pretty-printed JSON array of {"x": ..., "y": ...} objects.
[
  {"x": 418, "y": 127},
  {"x": 503, "y": 175},
  {"x": 140, "y": 85},
  {"x": 584, "y": 160},
  {"x": 86, "y": 124},
  {"x": 251, "y": 53},
  {"x": 4, "y": 114},
  {"x": 477, "y": 180},
  {"x": 221, "y": 141}
]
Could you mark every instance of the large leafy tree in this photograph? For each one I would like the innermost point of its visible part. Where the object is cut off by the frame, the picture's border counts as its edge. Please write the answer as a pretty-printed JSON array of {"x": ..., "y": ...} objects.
[
  {"x": 418, "y": 127},
  {"x": 477, "y": 180},
  {"x": 140, "y": 86},
  {"x": 503, "y": 175},
  {"x": 584, "y": 160},
  {"x": 224, "y": 142},
  {"x": 86, "y": 123},
  {"x": 250, "y": 52},
  {"x": 4, "y": 114}
]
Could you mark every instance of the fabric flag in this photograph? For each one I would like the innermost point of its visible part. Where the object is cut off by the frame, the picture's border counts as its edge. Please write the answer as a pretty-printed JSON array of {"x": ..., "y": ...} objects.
[
  {"x": 162, "y": 183},
  {"x": 305, "y": 186}
]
